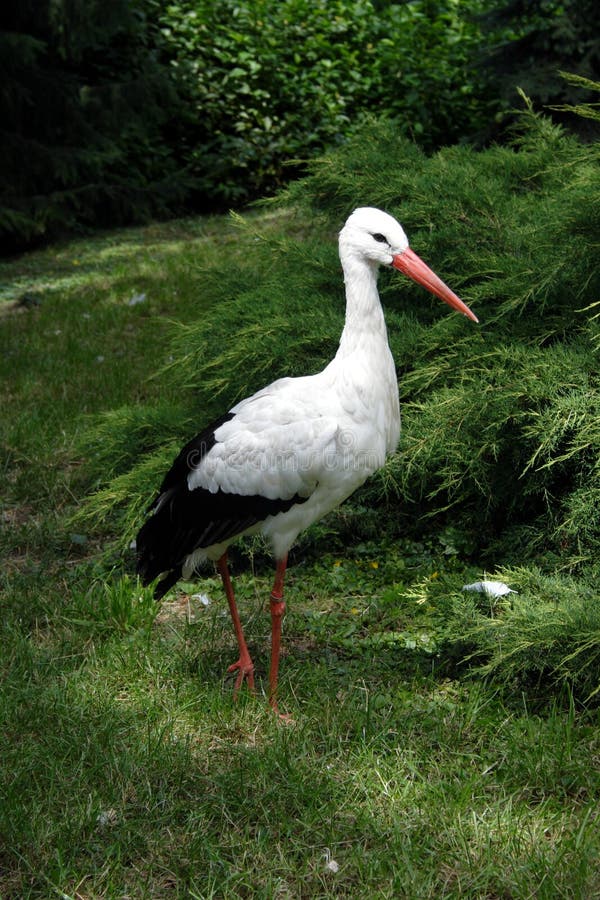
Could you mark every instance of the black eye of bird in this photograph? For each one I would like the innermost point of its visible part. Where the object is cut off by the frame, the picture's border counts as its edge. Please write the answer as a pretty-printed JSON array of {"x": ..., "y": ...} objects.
[{"x": 381, "y": 238}]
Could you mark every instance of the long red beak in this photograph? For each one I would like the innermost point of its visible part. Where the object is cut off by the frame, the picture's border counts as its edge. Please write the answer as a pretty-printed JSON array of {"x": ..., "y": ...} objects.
[{"x": 412, "y": 265}]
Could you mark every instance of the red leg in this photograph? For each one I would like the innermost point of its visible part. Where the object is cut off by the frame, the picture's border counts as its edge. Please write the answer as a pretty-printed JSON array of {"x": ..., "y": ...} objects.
[
  {"x": 277, "y": 611},
  {"x": 244, "y": 665}
]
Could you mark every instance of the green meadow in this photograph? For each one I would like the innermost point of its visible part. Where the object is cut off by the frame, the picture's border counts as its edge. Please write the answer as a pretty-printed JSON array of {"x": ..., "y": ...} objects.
[{"x": 442, "y": 743}]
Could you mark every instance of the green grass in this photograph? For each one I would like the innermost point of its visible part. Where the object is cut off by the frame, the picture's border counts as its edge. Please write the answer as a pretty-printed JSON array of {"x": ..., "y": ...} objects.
[{"x": 127, "y": 769}]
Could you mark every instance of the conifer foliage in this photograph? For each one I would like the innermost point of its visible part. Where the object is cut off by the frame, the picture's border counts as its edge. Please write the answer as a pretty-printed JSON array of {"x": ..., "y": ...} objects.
[
  {"x": 500, "y": 421},
  {"x": 84, "y": 112}
]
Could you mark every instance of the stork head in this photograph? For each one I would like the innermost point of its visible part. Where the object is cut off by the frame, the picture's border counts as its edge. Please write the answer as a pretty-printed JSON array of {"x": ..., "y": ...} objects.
[{"x": 377, "y": 238}]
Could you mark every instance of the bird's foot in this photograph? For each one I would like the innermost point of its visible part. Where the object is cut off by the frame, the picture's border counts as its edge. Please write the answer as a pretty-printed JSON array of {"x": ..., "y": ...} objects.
[
  {"x": 245, "y": 669},
  {"x": 284, "y": 718}
]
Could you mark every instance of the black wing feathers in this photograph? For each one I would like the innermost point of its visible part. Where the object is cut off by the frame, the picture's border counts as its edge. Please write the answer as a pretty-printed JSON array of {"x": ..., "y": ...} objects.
[
  {"x": 189, "y": 456},
  {"x": 184, "y": 520}
]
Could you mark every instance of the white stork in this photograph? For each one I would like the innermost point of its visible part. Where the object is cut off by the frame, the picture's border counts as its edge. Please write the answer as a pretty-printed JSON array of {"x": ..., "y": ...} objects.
[{"x": 283, "y": 458}]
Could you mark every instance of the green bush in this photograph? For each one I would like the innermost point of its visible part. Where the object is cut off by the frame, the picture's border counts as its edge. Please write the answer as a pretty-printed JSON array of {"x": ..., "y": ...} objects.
[
  {"x": 501, "y": 422},
  {"x": 540, "y": 638},
  {"x": 500, "y": 444},
  {"x": 270, "y": 83},
  {"x": 546, "y": 634},
  {"x": 501, "y": 429}
]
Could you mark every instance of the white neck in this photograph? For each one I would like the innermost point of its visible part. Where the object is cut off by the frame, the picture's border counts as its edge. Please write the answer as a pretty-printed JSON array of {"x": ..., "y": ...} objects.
[{"x": 364, "y": 316}]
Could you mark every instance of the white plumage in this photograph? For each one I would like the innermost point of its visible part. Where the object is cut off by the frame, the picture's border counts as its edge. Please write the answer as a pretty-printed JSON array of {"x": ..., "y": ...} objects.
[
  {"x": 491, "y": 588},
  {"x": 286, "y": 456}
]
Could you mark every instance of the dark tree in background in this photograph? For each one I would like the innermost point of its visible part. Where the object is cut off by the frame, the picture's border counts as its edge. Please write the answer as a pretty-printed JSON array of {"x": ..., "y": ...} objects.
[
  {"x": 115, "y": 112},
  {"x": 533, "y": 41},
  {"x": 87, "y": 115}
]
